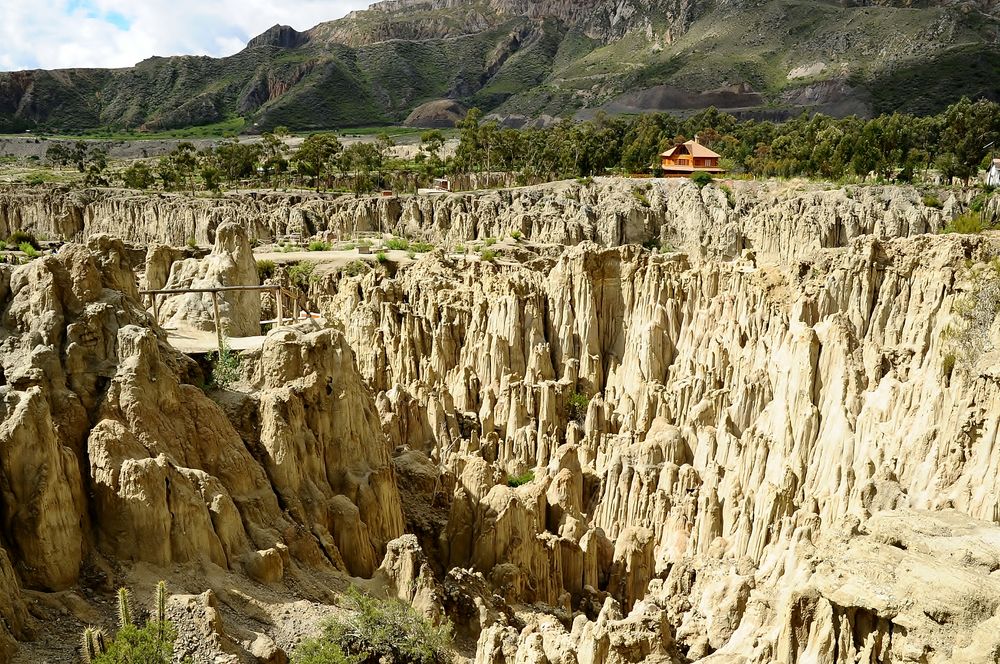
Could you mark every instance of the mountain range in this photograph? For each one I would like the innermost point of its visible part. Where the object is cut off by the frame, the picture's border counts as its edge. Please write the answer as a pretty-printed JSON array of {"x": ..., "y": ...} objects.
[{"x": 524, "y": 59}]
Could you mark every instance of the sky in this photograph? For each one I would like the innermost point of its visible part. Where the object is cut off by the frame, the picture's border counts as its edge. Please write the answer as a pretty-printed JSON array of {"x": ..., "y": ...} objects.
[{"x": 52, "y": 34}]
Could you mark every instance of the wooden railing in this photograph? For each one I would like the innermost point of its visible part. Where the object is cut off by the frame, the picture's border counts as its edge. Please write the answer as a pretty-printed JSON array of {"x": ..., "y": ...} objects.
[{"x": 280, "y": 294}]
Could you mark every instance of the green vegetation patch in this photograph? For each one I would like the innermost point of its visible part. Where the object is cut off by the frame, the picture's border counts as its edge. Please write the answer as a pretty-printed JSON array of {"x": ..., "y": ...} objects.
[
  {"x": 375, "y": 632},
  {"x": 515, "y": 481}
]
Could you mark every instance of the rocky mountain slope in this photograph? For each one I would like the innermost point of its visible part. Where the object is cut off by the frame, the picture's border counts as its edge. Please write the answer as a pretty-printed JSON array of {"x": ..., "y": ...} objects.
[
  {"x": 757, "y": 445},
  {"x": 542, "y": 58}
]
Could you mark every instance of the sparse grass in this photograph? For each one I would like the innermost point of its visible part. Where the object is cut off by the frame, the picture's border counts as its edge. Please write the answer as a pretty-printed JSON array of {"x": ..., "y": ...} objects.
[
  {"x": 948, "y": 364},
  {"x": 641, "y": 197},
  {"x": 28, "y": 250},
  {"x": 586, "y": 182},
  {"x": 355, "y": 268},
  {"x": 932, "y": 201},
  {"x": 968, "y": 336},
  {"x": 730, "y": 196},
  {"x": 520, "y": 480},
  {"x": 397, "y": 244},
  {"x": 967, "y": 222},
  {"x": 460, "y": 249},
  {"x": 192, "y": 243},
  {"x": 319, "y": 245},
  {"x": 490, "y": 241},
  {"x": 421, "y": 247},
  {"x": 516, "y": 235},
  {"x": 487, "y": 255},
  {"x": 381, "y": 257}
]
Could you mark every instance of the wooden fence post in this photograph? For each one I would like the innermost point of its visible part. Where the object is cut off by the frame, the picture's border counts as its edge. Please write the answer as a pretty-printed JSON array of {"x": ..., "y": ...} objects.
[
  {"x": 281, "y": 311},
  {"x": 218, "y": 321}
]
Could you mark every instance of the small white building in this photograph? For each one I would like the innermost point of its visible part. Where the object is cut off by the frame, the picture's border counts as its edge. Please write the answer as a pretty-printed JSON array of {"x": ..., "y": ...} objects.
[{"x": 992, "y": 178}]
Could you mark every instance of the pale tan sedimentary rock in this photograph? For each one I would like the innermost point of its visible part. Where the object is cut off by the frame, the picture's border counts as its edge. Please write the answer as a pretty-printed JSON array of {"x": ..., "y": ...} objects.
[
  {"x": 755, "y": 450},
  {"x": 771, "y": 218},
  {"x": 231, "y": 263}
]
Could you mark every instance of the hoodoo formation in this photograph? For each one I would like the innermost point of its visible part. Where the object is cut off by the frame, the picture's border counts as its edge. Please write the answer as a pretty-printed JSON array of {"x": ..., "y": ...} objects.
[
  {"x": 500, "y": 332},
  {"x": 751, "y": 440}
]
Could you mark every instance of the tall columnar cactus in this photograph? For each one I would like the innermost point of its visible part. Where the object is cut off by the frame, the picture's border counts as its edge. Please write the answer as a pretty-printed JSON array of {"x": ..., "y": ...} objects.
[
  {"x": 161, "y": 611},
  {"x": 124, "y": 608}
]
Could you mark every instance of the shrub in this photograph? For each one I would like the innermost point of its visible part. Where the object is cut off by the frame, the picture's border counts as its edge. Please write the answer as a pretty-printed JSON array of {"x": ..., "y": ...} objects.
[
  {"x": 225, "y": 367},
  {"x": 378, "y": 631},
  {"x": 487, "y": 255},
  {"x": 381, "y": 257},
  {"x": 490, "y": 241},
  {"x": 586, "y": 182},
  {"x": 151, "y": 644},
  {"x": 421, "y": 247},
  {"x": 138, "y": 176},
  {"x": 460, "y": 249},
  {"x": 301, "y": 274},
  {"x": 318, "y": 245},
  {"x": 17, "y": 238},
  {"x": 397, "y": 244},
  {"x": 520, "y": 480},
  {"x": 28, "y": 250},
  {"x": 701, "y": 178},
  {"x": 578, "y": 404},
  {"x": 517, "y": 235},
  {"x": 192, "y": 243},
  {"x": 265, "y": 270},
  {"x": 932, "y": 201}
]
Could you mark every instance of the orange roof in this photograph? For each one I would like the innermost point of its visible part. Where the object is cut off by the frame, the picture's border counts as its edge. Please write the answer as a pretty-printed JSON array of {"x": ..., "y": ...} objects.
[{"x": 694, "y": 148}]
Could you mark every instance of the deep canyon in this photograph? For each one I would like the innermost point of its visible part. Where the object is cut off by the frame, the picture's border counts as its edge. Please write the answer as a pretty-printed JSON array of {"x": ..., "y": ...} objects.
[{"x": 741, "y": 429}]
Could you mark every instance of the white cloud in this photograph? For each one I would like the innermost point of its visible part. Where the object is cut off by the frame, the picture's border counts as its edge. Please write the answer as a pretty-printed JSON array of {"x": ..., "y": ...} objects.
[{"x": 54, "y": 34}]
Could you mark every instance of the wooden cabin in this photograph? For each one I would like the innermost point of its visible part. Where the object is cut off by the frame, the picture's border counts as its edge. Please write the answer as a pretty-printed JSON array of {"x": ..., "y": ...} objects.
[{"x": 687, "y": 158}]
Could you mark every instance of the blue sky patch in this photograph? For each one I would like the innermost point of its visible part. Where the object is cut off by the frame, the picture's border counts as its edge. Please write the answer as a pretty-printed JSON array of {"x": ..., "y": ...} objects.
[{"x": 88, "y": 9}]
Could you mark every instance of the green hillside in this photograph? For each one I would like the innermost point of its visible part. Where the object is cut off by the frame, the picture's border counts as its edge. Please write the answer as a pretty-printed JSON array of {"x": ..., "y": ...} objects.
[{"x": 764, "y": 57}]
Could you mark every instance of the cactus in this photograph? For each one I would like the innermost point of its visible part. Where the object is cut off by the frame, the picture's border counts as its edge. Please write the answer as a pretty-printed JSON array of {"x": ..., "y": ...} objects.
[
  {"x": 94, "y": 644},
  {"x": 161, "y": 611},
  {"x": 87, "y": 650},
  {"x": 124, "y": 608}
]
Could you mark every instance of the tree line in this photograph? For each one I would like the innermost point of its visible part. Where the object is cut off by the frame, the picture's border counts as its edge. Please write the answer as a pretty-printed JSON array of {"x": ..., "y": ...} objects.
[
  {"x": 898, "y": 147},
  {"x": 956, "y": 142}
]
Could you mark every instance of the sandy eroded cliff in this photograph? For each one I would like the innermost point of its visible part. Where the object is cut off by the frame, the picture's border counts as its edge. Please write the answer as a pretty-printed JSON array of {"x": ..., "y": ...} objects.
[{"x": 760, "y": 447}]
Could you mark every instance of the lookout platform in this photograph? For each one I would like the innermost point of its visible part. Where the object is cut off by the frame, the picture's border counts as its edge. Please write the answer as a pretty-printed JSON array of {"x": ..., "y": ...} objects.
[{"x": 193, "y": 341}]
